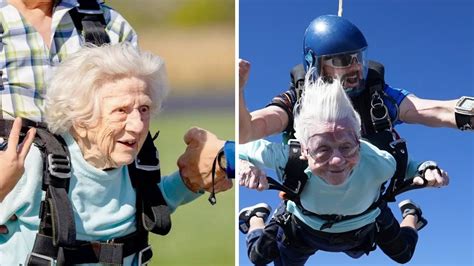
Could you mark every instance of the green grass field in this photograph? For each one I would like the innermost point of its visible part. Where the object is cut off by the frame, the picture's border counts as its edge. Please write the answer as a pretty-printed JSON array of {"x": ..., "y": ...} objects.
[{"x": 201, "y": 234}]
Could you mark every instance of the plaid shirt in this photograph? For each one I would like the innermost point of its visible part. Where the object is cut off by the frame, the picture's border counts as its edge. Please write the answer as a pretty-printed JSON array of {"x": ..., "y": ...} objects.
[{"x": 27, "y": 63}]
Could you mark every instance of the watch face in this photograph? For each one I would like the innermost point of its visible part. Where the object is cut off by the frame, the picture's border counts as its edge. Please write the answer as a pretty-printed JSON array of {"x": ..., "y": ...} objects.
[{"x": 465, "y": 106}]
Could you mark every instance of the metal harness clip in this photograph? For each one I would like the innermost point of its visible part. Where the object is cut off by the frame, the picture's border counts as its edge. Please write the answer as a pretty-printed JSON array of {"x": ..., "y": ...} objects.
[{"x": 59, "y": 166}]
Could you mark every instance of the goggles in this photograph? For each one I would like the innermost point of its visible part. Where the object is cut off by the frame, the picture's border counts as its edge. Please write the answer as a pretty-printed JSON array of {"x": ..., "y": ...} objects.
[
  {"x": 342, "y": 60},
  {"x": 324, "y": 153}
]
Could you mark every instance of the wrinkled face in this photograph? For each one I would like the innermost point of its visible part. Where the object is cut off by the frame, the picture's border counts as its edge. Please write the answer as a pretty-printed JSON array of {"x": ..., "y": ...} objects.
[
  {"x": 332, "y": 152},
  {"x": 122, "y": 127},
  {"x": 347, "y": 67}
]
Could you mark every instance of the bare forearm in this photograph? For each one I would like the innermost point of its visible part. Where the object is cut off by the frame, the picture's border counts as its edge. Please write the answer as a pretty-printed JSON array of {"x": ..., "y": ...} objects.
[
  {"x": 245, "y": 121},
  {"x": 261, "y": 123},
  {"x": 431, "y": 113}
]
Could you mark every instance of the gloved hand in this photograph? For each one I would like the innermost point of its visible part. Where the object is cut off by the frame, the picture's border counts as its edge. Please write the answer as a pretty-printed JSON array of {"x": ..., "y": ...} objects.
[
  {"x": 434, "y": 178},
  {"x": 195, "y": 164},
  {"x": 12, "y": 160},
  {"x": 251, "y": 176}
]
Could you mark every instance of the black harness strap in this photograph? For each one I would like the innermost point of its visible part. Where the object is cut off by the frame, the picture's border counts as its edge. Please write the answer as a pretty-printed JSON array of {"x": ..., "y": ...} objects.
[
  {"x": 297, "y": 75},
  {"x": 57, "y": 218},
  {"x": 56, "y": 209},
  {"x": 89, "y": 19},
  {"x": 335, "y": 218},
  {"x": 153, "y": 214},
  {"x": 294, "y": 177},
  {"x": 110, "y": 252}
]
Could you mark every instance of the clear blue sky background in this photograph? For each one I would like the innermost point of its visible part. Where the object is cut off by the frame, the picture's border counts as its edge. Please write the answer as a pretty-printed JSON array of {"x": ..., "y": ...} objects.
[{"x": 427, "y": 48}]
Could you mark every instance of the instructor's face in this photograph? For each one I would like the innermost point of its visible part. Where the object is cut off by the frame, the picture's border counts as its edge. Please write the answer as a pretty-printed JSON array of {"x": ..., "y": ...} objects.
[{"x": 350, "y": 76}]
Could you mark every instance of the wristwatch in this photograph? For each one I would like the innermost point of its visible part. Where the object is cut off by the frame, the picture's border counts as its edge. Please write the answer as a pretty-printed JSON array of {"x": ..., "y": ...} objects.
[
  {"x": 463, "y": 112},
  {"x": 221, "y": 159}
]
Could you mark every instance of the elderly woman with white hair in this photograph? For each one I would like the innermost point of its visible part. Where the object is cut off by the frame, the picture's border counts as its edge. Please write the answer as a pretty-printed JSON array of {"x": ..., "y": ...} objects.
[
  {"x": 100, "y": 103},
  {"x": 345, "y": 175}
]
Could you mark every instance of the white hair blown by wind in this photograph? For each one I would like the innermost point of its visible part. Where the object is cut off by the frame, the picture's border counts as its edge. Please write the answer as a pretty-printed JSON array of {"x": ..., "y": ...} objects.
[
  {"x": 72, "y": 92},
  {"x": 323, "y": 102}
]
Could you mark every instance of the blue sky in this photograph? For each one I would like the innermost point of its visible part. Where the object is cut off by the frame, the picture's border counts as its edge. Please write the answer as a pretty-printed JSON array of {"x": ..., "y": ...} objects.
[{"x": 427, "y": 48}]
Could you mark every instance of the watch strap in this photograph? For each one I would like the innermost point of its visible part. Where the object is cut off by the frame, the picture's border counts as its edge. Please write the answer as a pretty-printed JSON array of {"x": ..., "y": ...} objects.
[{"x": 463, "y": 122}]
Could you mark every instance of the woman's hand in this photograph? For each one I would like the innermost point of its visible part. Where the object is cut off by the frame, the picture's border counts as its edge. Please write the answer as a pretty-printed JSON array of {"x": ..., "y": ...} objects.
[
  {"x": 195, "y": 164},
  {"x": 12, "y": 160},
  {"x": 252, "y": 177},
  {"x": 433, "y": 178}
]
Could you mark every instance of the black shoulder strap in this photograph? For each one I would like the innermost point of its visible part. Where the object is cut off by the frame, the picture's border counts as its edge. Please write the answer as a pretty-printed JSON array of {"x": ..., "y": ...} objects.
[
  {"x": 57, "y": 219},
  {"x": 377, "y": 125},
  {"x": 153, "y": 214},
  {"x": 294, "y": 177},
  {"x": 297, "y": 75},
  {"x": 89, "y": 20}
]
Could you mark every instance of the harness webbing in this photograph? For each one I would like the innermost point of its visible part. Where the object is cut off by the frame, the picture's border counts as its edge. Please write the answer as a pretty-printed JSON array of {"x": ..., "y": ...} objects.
[
  {"x": 89, "y": 19},
  {"x": 153, "y": 213}
]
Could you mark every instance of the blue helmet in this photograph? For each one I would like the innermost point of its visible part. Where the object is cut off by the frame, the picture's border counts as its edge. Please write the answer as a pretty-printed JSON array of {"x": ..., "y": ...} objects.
[{"x": 330, "y": 36}]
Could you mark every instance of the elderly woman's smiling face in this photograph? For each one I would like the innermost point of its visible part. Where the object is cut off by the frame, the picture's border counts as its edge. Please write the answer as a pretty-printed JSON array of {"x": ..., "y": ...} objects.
[
  {"x": 332, "y": 151},
  {"x": 124, "y": 119}
]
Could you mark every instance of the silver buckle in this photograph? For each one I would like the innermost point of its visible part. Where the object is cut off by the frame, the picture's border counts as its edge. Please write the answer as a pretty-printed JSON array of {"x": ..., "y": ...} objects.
[
  {"x": 147, "y": 167},
  {"x": 54, "y": 161},
  {"x": 395, "y": 142},
  {"x": 140, "y": 256},
  {"x": 293, "y": 142},
  {"x": 32, "y": 254}
]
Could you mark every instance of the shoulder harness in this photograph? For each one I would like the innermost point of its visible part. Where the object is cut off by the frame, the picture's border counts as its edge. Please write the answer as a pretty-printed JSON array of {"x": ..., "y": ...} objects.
[
  {"x": 376, "y": 128},
  {"x": 56, "y": 238}
]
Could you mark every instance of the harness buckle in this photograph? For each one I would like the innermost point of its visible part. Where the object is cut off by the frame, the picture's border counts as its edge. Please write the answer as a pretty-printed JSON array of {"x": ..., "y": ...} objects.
[
  {"x": 142, "y": 260},
  {"x": 379, "y": 113},
  {"x": 146, "y": 167},
  {"x": 395, "y": 143},
  {"x": 59, "y": 165},
  {"x": 89, "y": 11},
  {"x": 31, "y": 255}
]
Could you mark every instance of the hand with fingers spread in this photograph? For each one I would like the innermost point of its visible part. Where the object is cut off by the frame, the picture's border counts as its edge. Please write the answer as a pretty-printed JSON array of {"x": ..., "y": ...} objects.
[
  {"x": 251, "y": 176},
  {"x": 12, "y": 159},
  {"x": 196, "y": 163}
]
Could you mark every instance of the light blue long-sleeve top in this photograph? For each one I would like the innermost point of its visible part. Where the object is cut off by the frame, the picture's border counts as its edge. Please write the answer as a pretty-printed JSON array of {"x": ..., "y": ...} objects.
[
  {"x": 103, "y": 203},
  {"x": 354, "y": 196}
]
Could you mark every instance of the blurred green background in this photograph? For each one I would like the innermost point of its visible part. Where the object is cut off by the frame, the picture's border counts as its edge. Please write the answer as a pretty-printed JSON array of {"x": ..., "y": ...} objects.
[{"x": 196, "y": 40}]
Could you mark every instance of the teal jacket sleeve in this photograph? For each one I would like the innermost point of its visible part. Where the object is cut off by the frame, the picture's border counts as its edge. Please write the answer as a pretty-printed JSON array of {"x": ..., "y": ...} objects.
[
  {"x": 175, "y": 191},
  {"x": 265, "y": 154}
]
